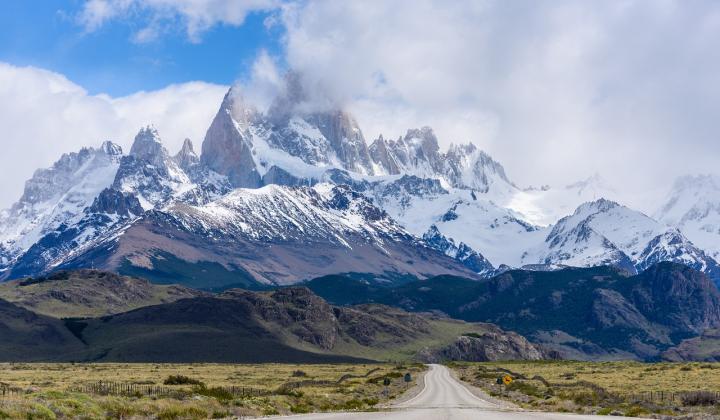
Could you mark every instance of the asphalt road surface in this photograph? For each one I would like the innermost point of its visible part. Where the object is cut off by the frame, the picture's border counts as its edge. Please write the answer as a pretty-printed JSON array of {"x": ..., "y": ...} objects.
[{"x": 444, "y": 398}]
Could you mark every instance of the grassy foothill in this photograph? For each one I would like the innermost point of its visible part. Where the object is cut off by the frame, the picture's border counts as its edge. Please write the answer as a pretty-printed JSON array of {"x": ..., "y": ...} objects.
[
  {"x": 190, "y": 391},
  {"x": 607, "y": 388}
]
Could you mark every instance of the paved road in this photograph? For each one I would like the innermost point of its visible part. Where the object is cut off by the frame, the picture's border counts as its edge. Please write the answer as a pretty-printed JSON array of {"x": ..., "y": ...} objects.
[{"x": 444, "y": 398}]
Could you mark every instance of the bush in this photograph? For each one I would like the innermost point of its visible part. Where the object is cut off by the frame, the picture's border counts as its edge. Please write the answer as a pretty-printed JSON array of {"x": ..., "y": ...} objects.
[
  {"x": 173, "y": 413},
  {"x": 118, "y": 409},
  {"x": 301, "y": 408},
  {"x": 219, "y": 393},
  {"x": 526, "y": 388},
  {"x": 353, "y": 404},
  {"x": 700, "y": 398},
  {"x": 605, "y": 411},
  {"x": 299, "y": 374},
  {"x": 635, "y": 411},
  {"x": 181, "y": 380}
]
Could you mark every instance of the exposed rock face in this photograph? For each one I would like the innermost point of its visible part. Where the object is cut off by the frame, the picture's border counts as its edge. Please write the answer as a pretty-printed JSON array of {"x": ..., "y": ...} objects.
[
  {"x": 418, "y": 153},
  {"x": 380, "y": 155},
  {"x": 590, "y": 313},
  {"x": 286, "y": 325},
  {"x": 186, "y": 157},
  {"x": 463, "y": 253},
  {"x": 149, "y": 172},
  {"x": 111, "y": 201},
  {"x": 317, "y": 136},
  {"x": 227, "y": 148},
  {"x": 56, "y": 196},
  {"x": 148, "y": 147},
  {"x": 367, "y": 323},
  {"x": 492, "y": 345},
  {"x": 297, "y": 309},
  {"x": 704, "y": 348},
  {"x": 276, "y": 235},
  {"x": 679, "y": 296}
]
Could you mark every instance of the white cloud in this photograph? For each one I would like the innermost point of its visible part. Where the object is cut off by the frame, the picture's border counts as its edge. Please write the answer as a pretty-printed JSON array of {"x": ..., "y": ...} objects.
[
  {"x": 158, "y": 16},
  {"x": 555, "y": 90},
  {"x": 44, "y": 115}
]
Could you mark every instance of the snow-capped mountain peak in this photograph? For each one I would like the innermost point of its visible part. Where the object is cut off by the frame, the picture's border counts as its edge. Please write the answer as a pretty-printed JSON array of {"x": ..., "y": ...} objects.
[
  {"x": 693, "y": 206},
  {"x": 150, "y": 173},
  {"x": 55, "y": 196},
  {"x": 604, "y": 232},
  {"x": 186, "y": 157},
  {"x": 148, "y": 146}
]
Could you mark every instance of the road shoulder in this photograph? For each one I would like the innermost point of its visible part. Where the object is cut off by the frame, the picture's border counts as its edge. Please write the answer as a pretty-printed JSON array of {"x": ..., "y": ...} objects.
[
  {"x": 411, "y": 393},
  {"x": 481, "y": 394}
]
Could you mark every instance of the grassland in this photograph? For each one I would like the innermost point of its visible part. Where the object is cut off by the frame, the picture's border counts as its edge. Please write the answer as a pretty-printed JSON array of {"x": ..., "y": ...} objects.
[
  {"x": 618, "y": 388},
  {"x": 49, "y": 391}
]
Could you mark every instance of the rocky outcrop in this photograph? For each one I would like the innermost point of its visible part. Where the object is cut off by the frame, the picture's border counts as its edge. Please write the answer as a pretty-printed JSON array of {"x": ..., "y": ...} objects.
[
  {"x": 493, "y": 345},
  {"x": 227, "y": 148},
  {"x": 112, "y": 201},
  {"x": 463, "y": 253},
  {"x": 297, "y": 310},
  {"x": 289, "y": 324},
  {"x": 186, "y": 158},
  {"x": 677, "y": 295}
]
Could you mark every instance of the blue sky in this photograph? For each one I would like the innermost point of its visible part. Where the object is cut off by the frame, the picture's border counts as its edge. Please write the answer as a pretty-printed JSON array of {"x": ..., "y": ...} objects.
[
  {"x": 555, "y": 90},
  {"x": 47, "y": 34}
]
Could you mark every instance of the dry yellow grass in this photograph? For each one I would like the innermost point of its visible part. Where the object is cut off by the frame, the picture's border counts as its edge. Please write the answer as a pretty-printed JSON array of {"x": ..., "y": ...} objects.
[
  {"x": 625, "y": 378},
  {"x": 52, "y": 389},
  {"x": 619, "y": 388}
]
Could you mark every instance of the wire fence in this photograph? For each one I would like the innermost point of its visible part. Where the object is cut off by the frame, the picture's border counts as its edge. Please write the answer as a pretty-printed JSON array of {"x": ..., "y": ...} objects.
[{"x": 130, "y": 389}]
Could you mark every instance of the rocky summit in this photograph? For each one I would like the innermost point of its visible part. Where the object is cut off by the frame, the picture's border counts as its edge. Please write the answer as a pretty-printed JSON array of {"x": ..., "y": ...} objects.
[{"x": 282, "y": 195}]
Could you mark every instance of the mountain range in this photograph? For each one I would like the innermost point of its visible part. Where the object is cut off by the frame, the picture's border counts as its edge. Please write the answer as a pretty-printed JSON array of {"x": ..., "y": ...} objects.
[
  {"x": 669, "y": 311},
  {"x": 131, "y": 320},
  {"x": 285, "y": 195}
]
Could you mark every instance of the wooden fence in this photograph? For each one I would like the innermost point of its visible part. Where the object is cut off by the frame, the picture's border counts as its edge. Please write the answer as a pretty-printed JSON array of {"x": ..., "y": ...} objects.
[
  {"x": 289, "y": 386},
  {"x": 678, "y": 397},
  {"x": 129, "y": 389},
  {"x": 6, "y": 390}
]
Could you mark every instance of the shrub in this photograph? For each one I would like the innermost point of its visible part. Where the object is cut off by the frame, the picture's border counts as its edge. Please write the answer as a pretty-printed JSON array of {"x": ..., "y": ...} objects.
[
  {"x": 299, "y": 374},
  {"x": 605, "y": 411},
  {"x": 181, "y": 380},
  {"x": 353, "y": 404},
  {"x": 219, "y": 393},
  {"x": 700, "y": 398},
  {"x": 300, "y": 408},
  {"x": 117, "y": 409},
  {"x": 635, "y": 411},
  {"x": 173, "y": 413},
  {"x": 526, "y": 388}
]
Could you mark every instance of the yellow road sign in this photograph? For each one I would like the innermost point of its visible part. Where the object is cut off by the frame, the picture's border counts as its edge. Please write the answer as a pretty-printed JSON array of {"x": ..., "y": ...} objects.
[{"x": 507, "y": 379}]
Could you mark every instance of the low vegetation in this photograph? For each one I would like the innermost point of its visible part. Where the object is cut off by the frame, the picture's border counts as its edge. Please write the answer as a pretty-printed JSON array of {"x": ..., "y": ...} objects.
[
  {"x": 605, "y": 388},
  {"x": 189, "y": 391}
]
